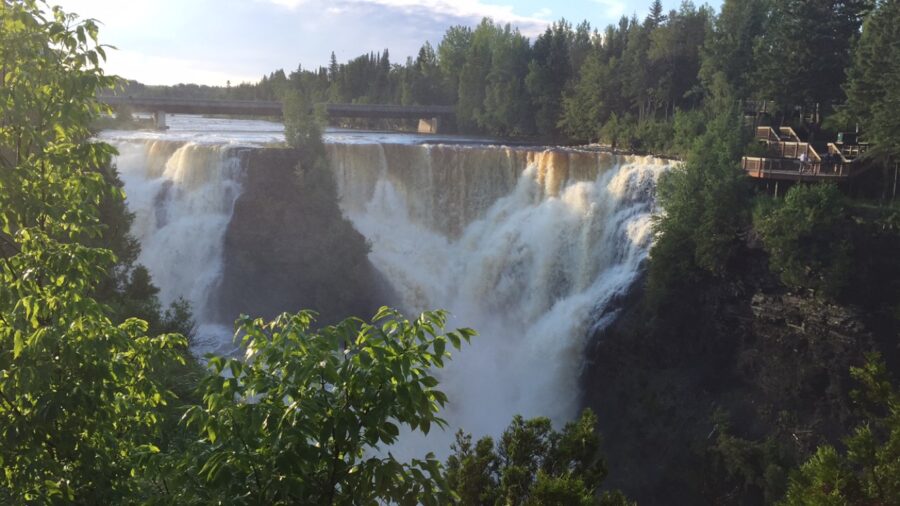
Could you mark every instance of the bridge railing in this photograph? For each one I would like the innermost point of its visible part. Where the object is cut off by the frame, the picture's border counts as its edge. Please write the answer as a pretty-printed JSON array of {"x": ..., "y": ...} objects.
[
  {"x": 212, "y": 106},
  {"x": 767, "y": 167}
]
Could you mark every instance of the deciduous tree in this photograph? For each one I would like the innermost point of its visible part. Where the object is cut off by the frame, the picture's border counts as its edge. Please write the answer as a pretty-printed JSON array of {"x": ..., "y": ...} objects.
[
  {"x": 308, "y": 417},
  {"x": 79, "y": 394}
]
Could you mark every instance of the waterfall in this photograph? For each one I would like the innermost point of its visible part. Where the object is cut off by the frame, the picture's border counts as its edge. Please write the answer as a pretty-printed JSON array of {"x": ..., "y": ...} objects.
[
  {"x": 526, "y": 246},
  {"x": 182, "y": 195}
]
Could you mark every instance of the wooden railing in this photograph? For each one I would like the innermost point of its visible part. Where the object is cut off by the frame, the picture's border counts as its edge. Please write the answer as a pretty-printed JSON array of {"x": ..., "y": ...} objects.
[
  {"x": 769, "y": 167},
  {"x": 847, "y": 152},
  {"x": 784, "y": 134},
  {"x": 784, "y": 151},
  {"x": 792, "y": 150},
  {"x": 788, "y": 134},
  {"x": 757, "y": 167},
  {"x": 765, "y": 133}
]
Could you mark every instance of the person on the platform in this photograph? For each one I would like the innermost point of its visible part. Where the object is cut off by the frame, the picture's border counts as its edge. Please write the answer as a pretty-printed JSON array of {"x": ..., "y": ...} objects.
[{"x": 804, "y": 161}]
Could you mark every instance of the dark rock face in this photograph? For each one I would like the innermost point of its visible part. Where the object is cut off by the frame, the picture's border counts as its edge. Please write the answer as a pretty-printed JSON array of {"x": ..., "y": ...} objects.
[
  {"x": 289, "y": 248},
  {"x": 721, "y": 413}
]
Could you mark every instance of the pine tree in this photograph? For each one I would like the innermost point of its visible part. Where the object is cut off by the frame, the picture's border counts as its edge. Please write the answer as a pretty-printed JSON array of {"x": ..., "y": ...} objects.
[
  {"x": 873, "y": 94},
  {"x": 548, "y": 73},
  {"x": 728, "y": 51},
  {"x": 805, "y": 50},
  {"x": 452, "y": 53},
  {"x": 333, "y": 68},
  {"x": 582, "y": 43},
  {"x": 473, "y": 75},
  {"x": 656, "y": 16},
  {"x": 506, "y": 104}
]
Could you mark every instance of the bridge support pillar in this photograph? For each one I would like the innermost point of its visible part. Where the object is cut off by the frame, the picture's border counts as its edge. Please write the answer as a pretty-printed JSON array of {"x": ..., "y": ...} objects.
[
  {"x": 159, "y": 120},
  {"x": 429, "y": 125}
]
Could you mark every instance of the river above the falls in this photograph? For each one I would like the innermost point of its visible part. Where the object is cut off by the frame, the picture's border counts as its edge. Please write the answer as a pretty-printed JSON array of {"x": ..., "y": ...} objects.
[{"x": 258, "y": 133}]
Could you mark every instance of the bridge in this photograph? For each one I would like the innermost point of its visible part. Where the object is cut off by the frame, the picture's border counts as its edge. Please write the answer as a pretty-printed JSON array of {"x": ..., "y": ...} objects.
[{"x": 429, "y": 116}]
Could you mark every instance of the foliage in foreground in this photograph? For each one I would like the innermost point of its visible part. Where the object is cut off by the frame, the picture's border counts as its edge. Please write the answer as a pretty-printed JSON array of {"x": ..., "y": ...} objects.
[
  {"x": 306, "y": 416},
  {"x": 868, "y": 470},
  {"x": 79, "y": 394},
  {"x": 304, "y": 419},
  {"x": 533, "y": 465}
]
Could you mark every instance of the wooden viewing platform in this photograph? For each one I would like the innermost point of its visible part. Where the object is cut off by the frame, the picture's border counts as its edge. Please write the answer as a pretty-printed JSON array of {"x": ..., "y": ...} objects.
[
  {"x": 782, "y": 159},
  {"x": 774, "y": 168}
]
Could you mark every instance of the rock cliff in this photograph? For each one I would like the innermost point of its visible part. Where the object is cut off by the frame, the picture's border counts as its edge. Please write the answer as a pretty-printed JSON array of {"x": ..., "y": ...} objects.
[{"x": 288, "y": 247}]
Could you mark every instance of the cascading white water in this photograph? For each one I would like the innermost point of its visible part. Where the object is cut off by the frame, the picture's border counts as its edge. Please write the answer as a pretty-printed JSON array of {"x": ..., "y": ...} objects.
[
  {"x": 526, "y": 247},
  {"x": 182, "y": 195}
]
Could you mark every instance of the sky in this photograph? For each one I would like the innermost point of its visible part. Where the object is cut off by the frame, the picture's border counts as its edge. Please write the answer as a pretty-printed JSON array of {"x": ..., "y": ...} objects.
[{"x": 217, "y": 41}]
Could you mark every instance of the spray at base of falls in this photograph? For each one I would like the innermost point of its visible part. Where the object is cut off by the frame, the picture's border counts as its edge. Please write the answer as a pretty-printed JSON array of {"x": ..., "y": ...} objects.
[
  {"x": 527, "y": 247},
  {"x": 182, "y": 196}
]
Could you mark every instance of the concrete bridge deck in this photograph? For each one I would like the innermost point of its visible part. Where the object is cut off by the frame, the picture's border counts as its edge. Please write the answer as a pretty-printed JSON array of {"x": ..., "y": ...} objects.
[
  {"x": 268, "y": 108},
  {"x": 195, "y": 106}
]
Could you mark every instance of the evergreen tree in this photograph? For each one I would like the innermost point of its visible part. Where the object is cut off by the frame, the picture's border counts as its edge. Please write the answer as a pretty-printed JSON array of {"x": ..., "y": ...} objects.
[
  {"x": 728, "y": 52},
  {"x": 805, "y": 49},
  {"x": 674, "y": 59},
  {"x": 533, "y": 464},
  {"x": 873, "y": 94},
  {"x": 868, "y": 472},
  {"x": 656, "y": 17},
  {"x": 582, "y": 43},
  {"x": 381, "y": 87},
  {"x": 707, "y": 210},
  {"x": 423, "y": 78},
  {"x": 809, "y": 239},
  {"x": 473, "y": 75},
  {"x": 590, "y": 102},
  {"x": 333, "y": 68},
  {"x": 636, "y": 86},
  {"x": 452, "y": 52},
  {"x": 548, "y": 74},
  {"x": 506, "y": 105}
]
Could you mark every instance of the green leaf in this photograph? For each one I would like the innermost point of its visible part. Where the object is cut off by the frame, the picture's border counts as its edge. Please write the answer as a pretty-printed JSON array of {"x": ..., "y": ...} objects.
[{"x": 18, "y": 344}]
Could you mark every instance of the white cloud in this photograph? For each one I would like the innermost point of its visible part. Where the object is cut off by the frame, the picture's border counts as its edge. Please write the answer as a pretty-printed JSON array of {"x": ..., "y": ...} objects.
[
  {"x": 150, "y": 69},
  {"x": 614, "y": 8},
  {"x": 467, "y": 9},
  {"x": 290, "y": 4},
  {"x": 212, "y": 41}
]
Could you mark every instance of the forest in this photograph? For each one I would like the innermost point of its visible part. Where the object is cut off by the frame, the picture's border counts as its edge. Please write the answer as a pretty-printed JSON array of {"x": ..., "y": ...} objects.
[
  {"x": 638, "y": 84},
  {"x": 101, "y": 401}
]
